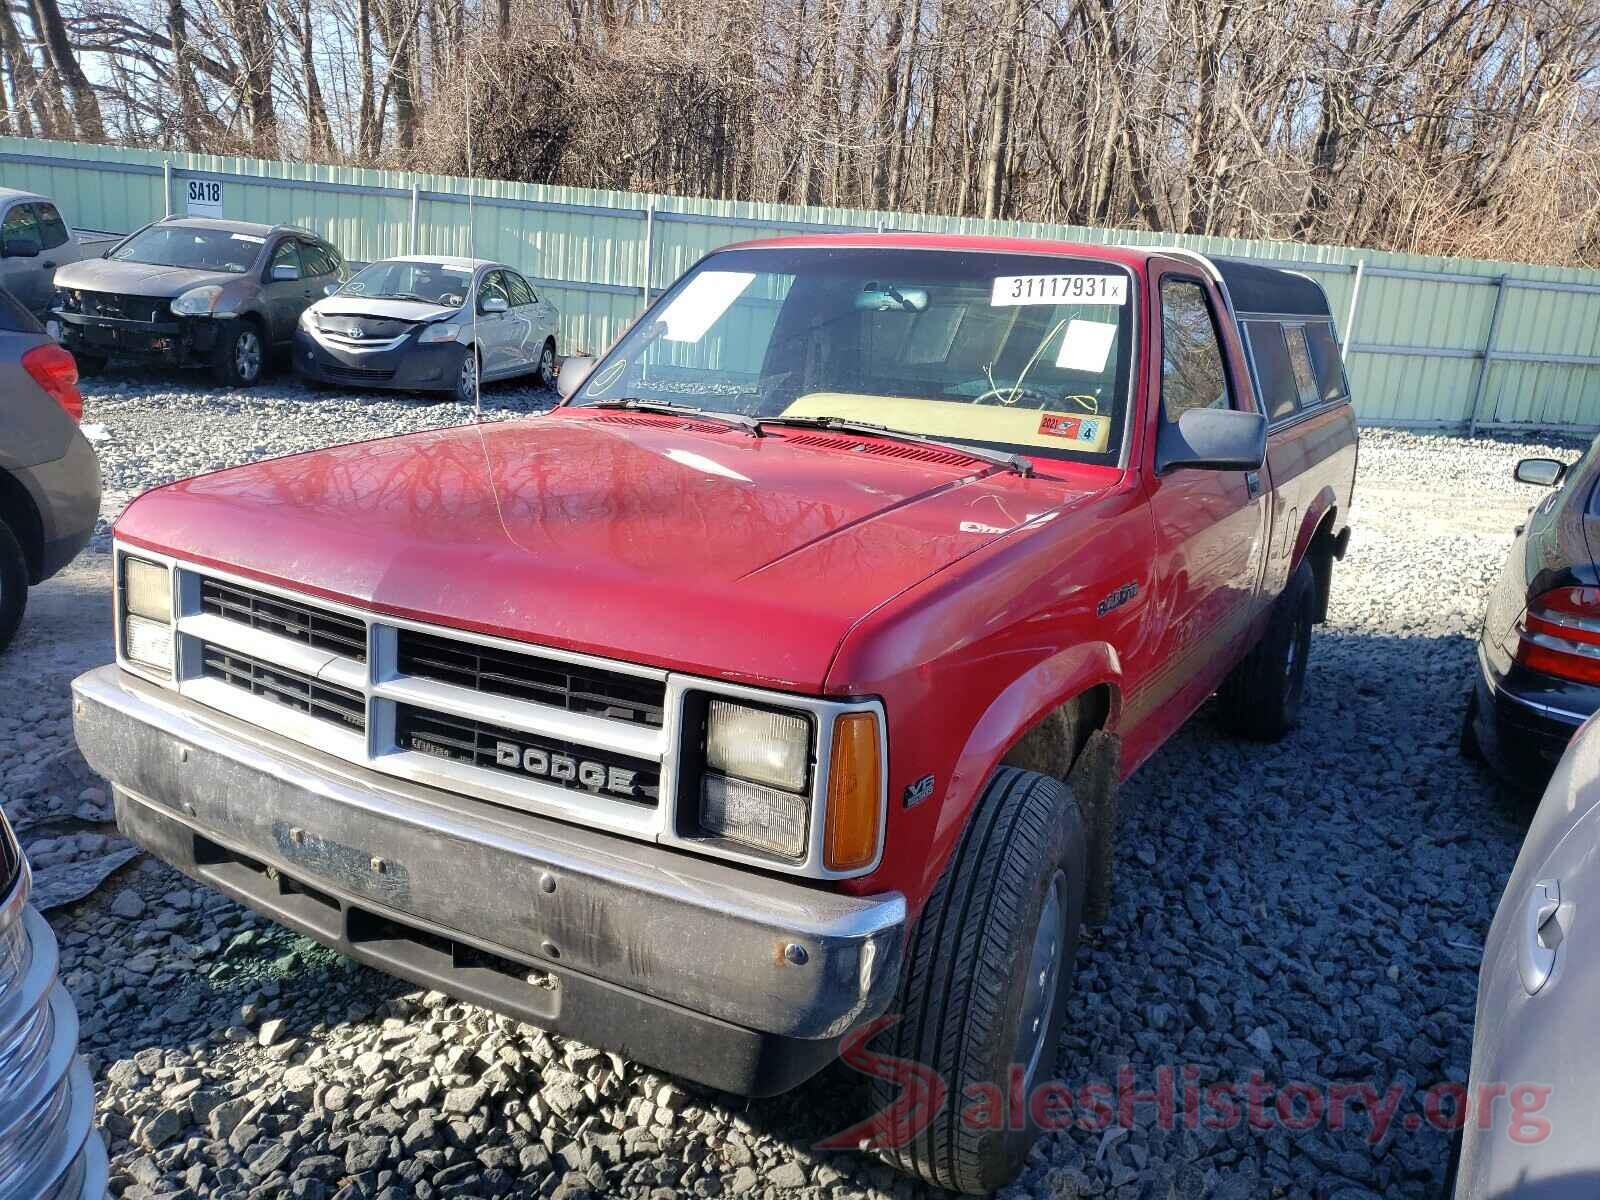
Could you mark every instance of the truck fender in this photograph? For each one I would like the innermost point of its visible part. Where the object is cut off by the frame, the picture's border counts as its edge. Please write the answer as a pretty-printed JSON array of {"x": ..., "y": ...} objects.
[
  {"x": 1316, "y": 510},
  {"x": 1028, "y": 700}
]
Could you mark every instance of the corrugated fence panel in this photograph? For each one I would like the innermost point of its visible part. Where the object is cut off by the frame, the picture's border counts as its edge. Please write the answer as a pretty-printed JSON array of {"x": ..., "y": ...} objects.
[{"x": 1416, "y": 355}]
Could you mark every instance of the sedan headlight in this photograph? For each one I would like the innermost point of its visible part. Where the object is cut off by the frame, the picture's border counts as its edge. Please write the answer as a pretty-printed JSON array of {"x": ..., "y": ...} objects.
[
  {"x": 440, "y": 331},
  {"x": 146, "y": 599},
  {"x": 309, "y": 321},
  {"x": 198, "y": 302},
  {"x": 756, "y": 787}
]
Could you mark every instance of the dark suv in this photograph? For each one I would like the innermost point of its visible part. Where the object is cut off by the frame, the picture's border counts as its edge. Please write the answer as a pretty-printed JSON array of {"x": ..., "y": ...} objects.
[{"x": 191, "y": 290}]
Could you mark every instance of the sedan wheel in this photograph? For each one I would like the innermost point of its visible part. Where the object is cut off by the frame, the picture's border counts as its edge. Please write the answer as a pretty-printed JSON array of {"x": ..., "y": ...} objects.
[
  {"x": 547, "y": 366},
  {"x": 467, "y": 378}
]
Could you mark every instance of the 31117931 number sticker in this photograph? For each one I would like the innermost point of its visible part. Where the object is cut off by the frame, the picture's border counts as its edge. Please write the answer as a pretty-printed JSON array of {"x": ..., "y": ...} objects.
[{"x": 1011, "y": 290}]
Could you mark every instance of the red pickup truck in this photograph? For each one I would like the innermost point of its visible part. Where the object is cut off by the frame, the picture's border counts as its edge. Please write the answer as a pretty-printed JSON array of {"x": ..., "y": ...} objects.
[{"x": 780, "y": 681}]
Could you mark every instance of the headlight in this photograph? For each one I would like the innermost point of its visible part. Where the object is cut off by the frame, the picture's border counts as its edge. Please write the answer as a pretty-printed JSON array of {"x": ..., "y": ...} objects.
[
  {"x": 756, "y": 788},
  {"x": 67, "y": 300},
  {"x": 146, "y": 599},
  {"x": 198, "y": 302},
  {"x": 758, "y": 744},
  {"x": 309, "y": 321},
  {"x": 441, "y": 331}
]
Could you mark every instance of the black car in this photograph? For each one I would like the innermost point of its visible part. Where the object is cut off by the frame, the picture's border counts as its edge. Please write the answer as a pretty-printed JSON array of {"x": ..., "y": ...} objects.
[{"x": 1539, "y": 649}]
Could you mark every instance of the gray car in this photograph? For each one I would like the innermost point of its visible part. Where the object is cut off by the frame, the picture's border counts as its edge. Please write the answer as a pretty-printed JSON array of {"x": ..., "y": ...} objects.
[
  {"x": 413, "y": 323},
  {"x": 49, "y": 476},
  {"x": 1533, "y": 1128},
  {"x": 34, "y": 242},
  {"x": 195, "y": 291}
]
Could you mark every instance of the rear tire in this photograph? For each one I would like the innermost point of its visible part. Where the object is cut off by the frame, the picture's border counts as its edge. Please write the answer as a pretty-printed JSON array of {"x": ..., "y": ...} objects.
[
  {"x": 547, "y": 364},
  {"x": 1261, "y": 697},
  {"x": 974, "y": 993},
  {"x": 241, "y": 357},
  {"x": 13, "y": 585}
]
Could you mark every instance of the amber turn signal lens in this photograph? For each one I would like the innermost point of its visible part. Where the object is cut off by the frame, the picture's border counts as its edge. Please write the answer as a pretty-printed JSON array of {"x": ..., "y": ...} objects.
[{"x": 855, "y": 785}]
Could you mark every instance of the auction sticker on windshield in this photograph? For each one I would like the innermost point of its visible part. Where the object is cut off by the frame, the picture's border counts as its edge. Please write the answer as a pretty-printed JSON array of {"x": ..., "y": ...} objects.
[{"x": 1011, "y": 290}]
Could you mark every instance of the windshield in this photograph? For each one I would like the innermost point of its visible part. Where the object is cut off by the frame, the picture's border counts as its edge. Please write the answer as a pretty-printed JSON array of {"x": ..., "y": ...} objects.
[
  {"x": 396, "y": 279},
  {"x": 1019, "y": 351},
  {"x": 197, "y": 249}
]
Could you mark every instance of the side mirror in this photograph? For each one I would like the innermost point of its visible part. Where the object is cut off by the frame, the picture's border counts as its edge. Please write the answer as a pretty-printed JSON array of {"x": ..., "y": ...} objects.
[
  {"x": 22, "y": 246},
  {"x": 331, "y": 288},
  {"x": 572, "y": 374},
  {"x": 494, "y": 304},
  {"x": 1541, "y": 472},
  {"x": 1212, "y": 439},
  {"x": 285, "y": 273}
]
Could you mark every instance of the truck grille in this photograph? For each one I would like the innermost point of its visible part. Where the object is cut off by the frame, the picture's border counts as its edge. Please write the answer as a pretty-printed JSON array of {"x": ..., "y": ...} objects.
[
  {"x": 574, "y": 687},
  {"x": 283, "y": 686},
  {"x": 526, "y": 755},
  {"x": 330, "y": 631},
  {"x": 517, "y": 726}
]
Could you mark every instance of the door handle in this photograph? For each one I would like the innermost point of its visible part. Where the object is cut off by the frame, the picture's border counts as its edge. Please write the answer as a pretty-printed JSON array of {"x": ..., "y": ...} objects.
[
  {"x": 1542, "y": 934},
  {"x": 1252, "y": 483}
]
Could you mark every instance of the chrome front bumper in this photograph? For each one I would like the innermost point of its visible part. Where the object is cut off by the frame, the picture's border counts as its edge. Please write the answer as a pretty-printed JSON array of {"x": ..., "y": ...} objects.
[
  {"x": 49, "y": 1149},
  {"x": 393, "y": 872}
]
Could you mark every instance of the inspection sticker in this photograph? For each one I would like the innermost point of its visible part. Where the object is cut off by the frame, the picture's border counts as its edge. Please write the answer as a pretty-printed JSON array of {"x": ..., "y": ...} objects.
[
  {"x": 1012, "y": 290},
  {"x": 1077, "y": 429}
]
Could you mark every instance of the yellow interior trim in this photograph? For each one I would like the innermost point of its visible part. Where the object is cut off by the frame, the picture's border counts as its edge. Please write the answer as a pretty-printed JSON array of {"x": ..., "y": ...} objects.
[{"x": 1049, "y": 430}]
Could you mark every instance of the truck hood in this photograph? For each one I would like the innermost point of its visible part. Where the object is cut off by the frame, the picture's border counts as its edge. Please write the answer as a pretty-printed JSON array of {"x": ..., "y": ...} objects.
[
  {"x": 683, "y": 546},
  {"x": 394, "y": 310},
  {"x": 138, "y": 279}
]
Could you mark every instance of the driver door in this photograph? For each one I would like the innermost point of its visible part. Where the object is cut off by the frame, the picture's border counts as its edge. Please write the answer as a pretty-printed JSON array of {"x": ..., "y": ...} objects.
[
  {"x": 25, "y": 276},
  {"x": 1211, "y": 526},
  {"x": 284, "y": 299},
  {"x": 496, "y": 330}
]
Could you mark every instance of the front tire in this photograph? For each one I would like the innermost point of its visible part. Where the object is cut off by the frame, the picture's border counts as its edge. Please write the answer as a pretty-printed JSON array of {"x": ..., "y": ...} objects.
[
  {"x": 241, "y": 357},
  {"x": 1261, "y": 697},
  {"x": 468, "y": 377},
  {"x": 13, "y": 585},
  {"x": 988, "y": 969}
]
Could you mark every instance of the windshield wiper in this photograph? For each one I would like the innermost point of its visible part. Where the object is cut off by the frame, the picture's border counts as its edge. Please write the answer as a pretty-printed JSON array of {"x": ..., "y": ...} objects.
[
  {"x": 1012, "y": 462},
  {"x": 634, "y": 404}
]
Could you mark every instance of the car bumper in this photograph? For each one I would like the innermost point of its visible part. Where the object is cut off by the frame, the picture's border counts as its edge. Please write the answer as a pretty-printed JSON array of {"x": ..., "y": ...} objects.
[
  {"x": 179, "y": 341},
  {"x": 48, "y": 1145},
  {"x": 407, "y": 366},
  {"x": 1523, "y": 720},
  {"x": 696, "y": 967}
]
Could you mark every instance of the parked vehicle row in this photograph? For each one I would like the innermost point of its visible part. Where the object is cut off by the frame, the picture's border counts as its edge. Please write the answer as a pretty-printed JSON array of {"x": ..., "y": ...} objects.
[
  {"x": 230, "y": 295},
  {"x": 781, "y": 678}
]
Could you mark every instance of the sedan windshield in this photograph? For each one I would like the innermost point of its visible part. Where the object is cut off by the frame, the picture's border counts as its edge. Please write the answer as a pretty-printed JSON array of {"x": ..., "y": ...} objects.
[
  {"x": 197, "y": 249},
  {"x": 1023, "y": 352},
  {"x": 400, "y": 279}
]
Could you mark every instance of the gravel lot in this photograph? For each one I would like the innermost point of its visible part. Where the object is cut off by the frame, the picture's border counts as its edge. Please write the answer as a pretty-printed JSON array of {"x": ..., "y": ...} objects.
[{"x": 1311, "y": 911}]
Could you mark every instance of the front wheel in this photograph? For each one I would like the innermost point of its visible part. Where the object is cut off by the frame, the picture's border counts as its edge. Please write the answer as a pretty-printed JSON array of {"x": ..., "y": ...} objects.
[
  {"x": 1261, "y": 697},
  {"x": 987, "y": 973},
  {"x": 465, "y": 388},
  {"x": 241, "y": 356}
]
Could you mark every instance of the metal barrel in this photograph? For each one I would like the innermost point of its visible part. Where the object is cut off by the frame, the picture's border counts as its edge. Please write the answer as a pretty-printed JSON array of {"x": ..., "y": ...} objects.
[{"x": 49, "y": 1149}]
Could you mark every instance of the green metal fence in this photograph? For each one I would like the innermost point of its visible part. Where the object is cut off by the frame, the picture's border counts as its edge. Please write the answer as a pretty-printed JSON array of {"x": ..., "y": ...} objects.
[{"x": 1430, "y": 342}]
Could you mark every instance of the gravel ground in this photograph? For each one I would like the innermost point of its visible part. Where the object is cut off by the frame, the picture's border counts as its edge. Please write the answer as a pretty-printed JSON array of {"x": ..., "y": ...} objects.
[{"x": 1311, "y": 911}]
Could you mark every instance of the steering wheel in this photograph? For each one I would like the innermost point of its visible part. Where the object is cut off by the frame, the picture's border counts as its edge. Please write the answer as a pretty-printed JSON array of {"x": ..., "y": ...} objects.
[
  {"x": 451, "y": 299},
  {"x": 997, "y": 395}
]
